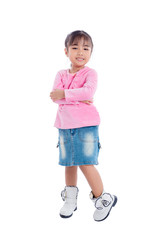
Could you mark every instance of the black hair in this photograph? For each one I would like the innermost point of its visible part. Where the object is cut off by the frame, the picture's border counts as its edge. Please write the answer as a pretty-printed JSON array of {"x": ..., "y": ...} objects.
[{"x": 77, "y": 35}]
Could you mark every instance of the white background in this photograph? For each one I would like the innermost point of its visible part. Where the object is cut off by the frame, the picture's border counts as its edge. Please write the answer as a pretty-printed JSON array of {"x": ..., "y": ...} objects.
[{"x": 126, "y": 36}]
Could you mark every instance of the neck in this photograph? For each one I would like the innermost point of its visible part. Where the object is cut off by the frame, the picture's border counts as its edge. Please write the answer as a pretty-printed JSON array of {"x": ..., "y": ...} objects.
[{"x": 75, "y": 69}]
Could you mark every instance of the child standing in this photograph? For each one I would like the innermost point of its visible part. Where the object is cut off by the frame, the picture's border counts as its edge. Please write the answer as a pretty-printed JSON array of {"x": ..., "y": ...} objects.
[{"x": 78, "y": 121}]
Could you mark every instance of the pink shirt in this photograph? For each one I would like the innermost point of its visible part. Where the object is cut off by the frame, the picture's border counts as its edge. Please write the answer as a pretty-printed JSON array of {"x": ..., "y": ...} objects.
[{"x": 71, "y": 112}]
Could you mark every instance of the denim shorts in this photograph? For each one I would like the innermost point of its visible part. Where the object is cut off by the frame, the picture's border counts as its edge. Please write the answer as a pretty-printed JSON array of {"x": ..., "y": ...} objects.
[{"x": 79, "y": 146}]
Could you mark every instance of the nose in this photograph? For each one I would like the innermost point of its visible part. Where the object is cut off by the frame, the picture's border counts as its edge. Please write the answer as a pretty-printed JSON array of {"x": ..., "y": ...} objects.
[{"x": 80, "y": 51}]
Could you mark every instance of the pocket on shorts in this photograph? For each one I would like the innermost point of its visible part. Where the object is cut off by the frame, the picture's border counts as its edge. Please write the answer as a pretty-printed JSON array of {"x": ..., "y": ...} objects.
[
  {"x": 88, "y": 134},
  {"x": 99, "y": 145},
  {"x": 63, "y": 136}
]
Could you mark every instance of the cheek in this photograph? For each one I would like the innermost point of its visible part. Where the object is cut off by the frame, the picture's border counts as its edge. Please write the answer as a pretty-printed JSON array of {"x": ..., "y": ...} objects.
[
  {"x": 71, "y": 55},
  {"x": 88, "y": 56}
]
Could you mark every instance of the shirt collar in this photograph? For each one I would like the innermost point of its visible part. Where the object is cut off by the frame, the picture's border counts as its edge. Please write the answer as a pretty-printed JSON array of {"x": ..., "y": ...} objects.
[{"x": 79, "y": 72}]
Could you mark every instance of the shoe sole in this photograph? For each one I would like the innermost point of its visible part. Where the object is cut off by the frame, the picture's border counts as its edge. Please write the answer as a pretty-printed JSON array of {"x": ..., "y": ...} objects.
[
  {"x": 114, "y": 203},
  {"x": 64, "y": 216}
]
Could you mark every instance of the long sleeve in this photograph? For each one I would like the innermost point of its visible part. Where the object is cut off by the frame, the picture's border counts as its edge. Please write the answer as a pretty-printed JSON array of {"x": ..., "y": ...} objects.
[
  {"x": 74, "y": 111},
  {"x": 58, "y": 84},
  {"x": 84, "y": 93}
]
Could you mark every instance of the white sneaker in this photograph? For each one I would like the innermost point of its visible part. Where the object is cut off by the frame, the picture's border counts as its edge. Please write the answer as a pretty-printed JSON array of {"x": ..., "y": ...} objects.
[
  {"x": 69, "y": 195},
  {"x": 104, "y": 204}
]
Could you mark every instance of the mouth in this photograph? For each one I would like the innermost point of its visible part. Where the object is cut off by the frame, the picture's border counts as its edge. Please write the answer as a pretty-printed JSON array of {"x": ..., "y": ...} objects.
[{"x": 80, "y": 59}]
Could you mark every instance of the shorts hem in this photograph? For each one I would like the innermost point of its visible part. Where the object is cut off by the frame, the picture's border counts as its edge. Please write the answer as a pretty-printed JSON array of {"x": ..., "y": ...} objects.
[{"x": 77, "y": 164}]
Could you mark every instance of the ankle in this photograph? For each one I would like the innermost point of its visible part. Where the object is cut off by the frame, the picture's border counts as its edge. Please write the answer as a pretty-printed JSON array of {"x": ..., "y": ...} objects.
[{"x": 96, "y": 194}]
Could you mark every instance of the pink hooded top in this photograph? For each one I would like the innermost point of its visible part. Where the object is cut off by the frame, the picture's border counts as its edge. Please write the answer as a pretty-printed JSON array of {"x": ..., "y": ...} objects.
[{"x": 78, "y": 87}]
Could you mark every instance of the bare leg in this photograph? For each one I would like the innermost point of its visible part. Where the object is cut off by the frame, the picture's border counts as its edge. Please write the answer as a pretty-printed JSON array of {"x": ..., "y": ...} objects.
[
  {"x": 93, "y": 178},
  {"x": 71, "y": 176}
]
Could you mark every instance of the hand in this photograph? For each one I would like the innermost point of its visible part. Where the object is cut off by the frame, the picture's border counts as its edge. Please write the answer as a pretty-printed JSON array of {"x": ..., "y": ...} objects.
[
  {"x": 57, "y": 94},
  {"x": 88, "y": 101}
]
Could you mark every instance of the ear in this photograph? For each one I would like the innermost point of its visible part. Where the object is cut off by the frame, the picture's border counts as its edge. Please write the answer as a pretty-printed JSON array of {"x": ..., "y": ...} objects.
[{"x": 66, "y": 52}]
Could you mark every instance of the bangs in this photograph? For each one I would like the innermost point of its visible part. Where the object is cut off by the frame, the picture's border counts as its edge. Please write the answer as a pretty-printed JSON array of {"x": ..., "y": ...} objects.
[
  {"x": 76, "y": 36},
  {"x": 76, "y": 39}
]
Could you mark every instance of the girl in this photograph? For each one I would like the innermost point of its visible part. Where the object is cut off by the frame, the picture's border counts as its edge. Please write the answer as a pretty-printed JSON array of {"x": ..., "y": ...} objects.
[{"x": 78, "y": 121}]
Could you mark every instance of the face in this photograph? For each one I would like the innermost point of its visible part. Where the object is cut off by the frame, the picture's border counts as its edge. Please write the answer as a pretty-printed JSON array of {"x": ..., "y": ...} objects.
[{"x": 79, "y": 53}]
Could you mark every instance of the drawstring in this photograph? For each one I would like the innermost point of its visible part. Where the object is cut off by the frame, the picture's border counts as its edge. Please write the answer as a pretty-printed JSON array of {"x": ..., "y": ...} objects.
[{"x": 99, "y": 145}]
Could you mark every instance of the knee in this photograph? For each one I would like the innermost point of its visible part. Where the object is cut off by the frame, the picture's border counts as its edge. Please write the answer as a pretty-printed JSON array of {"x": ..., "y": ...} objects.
[{"x": 71, "y": 168}]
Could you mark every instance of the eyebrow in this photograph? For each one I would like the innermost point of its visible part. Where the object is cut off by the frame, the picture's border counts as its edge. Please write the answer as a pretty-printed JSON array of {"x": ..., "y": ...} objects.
[{"x": 76, "y": 44}]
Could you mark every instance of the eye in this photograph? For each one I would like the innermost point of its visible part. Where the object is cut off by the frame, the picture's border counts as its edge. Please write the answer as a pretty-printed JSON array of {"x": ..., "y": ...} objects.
[
  {"x": 74, "y": 48},
  {"x": 86, "y": 49}
]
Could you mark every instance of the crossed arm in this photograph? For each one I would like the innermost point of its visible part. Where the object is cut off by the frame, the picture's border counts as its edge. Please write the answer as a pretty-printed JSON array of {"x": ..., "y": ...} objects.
[
  {"x": 59, "y": 94},
  {"x": 84, "y": 94}
]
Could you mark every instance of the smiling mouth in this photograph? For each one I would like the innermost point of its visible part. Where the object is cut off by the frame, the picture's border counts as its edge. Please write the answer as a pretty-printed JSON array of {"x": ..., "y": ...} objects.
[{"x": 80, "y": 59}]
